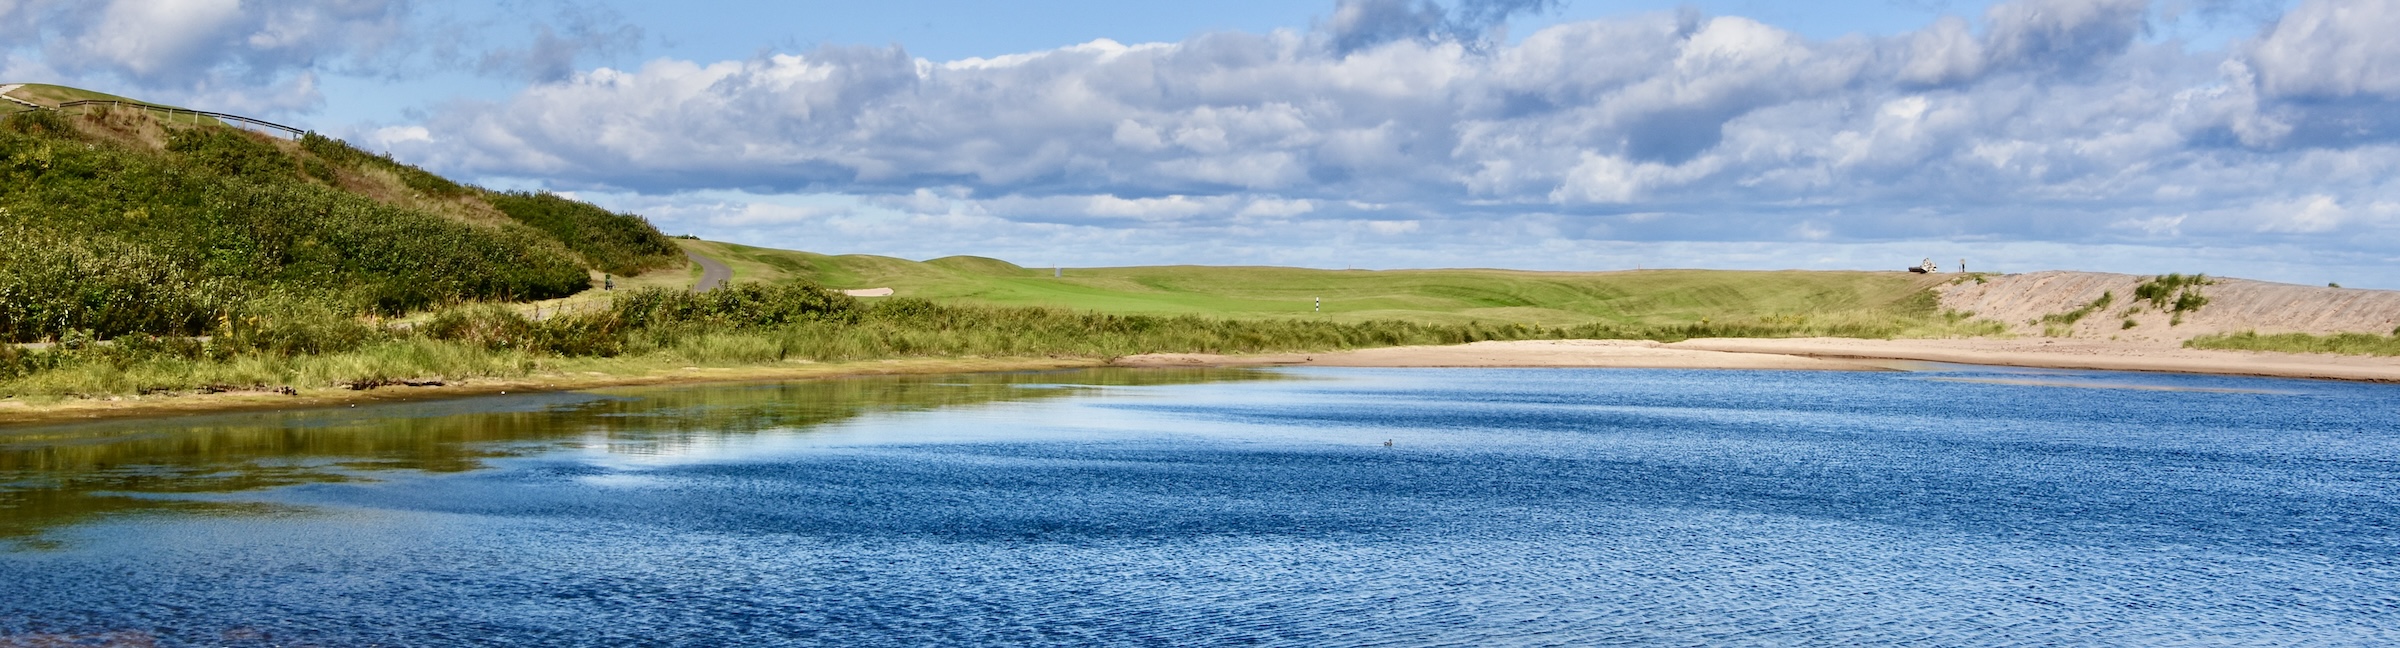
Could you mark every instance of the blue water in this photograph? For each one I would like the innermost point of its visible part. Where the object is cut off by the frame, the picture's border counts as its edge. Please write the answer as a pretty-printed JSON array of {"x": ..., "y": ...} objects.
[{"x": 1951, "y": 506}]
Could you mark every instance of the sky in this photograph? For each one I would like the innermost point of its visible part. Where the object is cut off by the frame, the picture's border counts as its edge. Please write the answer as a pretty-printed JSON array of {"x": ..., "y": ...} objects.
[{"x": 2251, "y": 138}]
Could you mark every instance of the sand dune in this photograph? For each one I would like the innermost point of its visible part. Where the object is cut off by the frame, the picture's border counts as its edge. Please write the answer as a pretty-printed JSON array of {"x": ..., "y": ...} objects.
[{"x": 2234, "y": 305}]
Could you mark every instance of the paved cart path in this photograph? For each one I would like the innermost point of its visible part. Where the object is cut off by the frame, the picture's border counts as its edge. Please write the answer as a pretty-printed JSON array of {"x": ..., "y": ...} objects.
[{"x": 713, "y": 273}]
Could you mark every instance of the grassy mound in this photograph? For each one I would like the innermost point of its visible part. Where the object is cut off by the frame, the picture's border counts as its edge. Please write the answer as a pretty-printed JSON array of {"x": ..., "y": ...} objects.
[{"x": 114, "y": 223}]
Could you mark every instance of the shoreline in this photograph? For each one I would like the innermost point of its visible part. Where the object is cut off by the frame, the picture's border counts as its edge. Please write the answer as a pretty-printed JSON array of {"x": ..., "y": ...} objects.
[
  {"x": 18, "y": 413},
  {"x": 1821, "y": 354},
  {"x": 1783, "y": 354}
]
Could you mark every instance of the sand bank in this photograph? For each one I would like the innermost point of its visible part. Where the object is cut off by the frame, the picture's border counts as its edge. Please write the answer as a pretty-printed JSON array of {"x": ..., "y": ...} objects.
[{"x": 1819, "y": 354}]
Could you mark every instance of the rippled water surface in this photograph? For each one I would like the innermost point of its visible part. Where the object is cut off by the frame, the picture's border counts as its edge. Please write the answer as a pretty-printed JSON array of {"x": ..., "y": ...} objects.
[{"x": 1952, "y": 506}]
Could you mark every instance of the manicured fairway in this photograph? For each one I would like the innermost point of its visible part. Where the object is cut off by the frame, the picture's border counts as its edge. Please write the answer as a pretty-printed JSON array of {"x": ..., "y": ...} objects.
[{"x": 1510, "y": 296}]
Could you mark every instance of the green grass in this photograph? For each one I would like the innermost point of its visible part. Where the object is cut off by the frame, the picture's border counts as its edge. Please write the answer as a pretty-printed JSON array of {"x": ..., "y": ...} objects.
[
  {"x": 1551, "y": 299},
  {"x": 2340, "y": 343},
  {"x": 52, "y": 95},
  {"x": 117, "y": 223}
]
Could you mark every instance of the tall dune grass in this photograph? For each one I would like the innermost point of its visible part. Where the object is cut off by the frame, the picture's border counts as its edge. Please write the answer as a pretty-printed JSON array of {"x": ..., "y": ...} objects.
[{"x": 2338, "y": 343}]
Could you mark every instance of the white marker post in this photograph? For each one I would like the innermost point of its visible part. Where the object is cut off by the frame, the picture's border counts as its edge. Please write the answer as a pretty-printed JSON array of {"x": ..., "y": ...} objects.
[{"x": 1320, "y": 304}]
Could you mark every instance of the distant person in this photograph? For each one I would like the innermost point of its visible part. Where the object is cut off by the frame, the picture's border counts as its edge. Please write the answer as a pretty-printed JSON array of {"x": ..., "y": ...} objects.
[{"x": 608, "y": 282}]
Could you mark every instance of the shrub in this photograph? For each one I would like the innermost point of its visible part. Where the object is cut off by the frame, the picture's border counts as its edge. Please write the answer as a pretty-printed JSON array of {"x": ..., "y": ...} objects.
[
  {"x": 616, "y": 243},
  {"x": 230, "y": 152},
  {"x": 744, "y": 305},
  {"x": 289, "y": 327},
  {"x": 2179, "y": 292}
]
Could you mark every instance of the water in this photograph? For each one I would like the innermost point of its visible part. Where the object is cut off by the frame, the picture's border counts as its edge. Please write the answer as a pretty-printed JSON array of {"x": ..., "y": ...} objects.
[{"x": 1949, "y": 506}]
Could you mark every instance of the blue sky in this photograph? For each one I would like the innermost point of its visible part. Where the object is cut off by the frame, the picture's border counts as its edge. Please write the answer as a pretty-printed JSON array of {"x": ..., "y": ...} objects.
[{"x": 2246, "y": 138}]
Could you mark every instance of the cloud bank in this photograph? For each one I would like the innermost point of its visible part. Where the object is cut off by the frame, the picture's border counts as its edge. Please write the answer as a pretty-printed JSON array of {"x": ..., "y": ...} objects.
[
  {"x": 2047, "y": 120},
  {"x": 269, "y": 56}
]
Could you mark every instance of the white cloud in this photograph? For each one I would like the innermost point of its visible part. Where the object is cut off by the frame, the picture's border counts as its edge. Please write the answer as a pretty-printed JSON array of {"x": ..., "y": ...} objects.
[
  {"x": 2306, "y": 215},
  {"x": 1276, "y": 208},
  {"x": 2332, "y": 48},
  {"x": 1941, "y": 54},
  {"x": 2168, "y": 226},
  {"x": 2057, "y": 123},
  {"x": 148, "y": 37}
]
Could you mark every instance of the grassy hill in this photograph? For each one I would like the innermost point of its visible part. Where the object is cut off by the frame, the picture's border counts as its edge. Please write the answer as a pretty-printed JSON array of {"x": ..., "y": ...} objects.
[
  {"x": 52, "y": 95},
  {"x": 222, "y": 259},
  {"x": 1645, "y": 298},
  {"x": 116, "y": 222}
]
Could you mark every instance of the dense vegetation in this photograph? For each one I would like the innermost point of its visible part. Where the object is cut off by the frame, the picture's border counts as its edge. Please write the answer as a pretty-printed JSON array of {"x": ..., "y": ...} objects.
[
  {"x": 615, "y": 243},
  {"x": 115, "y": 224}
]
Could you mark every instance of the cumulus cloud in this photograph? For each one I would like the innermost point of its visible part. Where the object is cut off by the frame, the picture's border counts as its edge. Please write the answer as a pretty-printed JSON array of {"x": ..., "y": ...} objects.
[
  {"x": 2062, "y": 34},
  {"x": 2038, "y": 120},
  {"x": 1360, "y": 24},
  {"x": 268, "y": 56},
  {"x": 2332, "y": 49},
  {"x": 255, "y": 55}
]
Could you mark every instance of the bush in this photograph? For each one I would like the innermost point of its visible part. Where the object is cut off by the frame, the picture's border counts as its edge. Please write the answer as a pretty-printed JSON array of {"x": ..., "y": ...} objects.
[
  {"x": 497, "y": 328},
  {"x": 615, "y": 243},
  {"x": 737, "y": 306},
  {"x": 289, "y": 327},
  {"x": 231, "y": 152},
  {"x": 2180, "y": 292}
]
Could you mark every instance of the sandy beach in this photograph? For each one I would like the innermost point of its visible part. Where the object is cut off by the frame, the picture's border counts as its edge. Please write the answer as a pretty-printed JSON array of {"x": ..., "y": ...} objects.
[{"x": 1829, "y": 354}]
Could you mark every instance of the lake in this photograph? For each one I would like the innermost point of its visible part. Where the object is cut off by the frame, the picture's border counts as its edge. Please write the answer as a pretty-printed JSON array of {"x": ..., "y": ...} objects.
[{"x": 1951, "y": 505}]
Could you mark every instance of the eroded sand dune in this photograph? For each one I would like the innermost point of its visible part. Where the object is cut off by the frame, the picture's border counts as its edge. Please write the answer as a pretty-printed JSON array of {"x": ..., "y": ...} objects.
[{"x": 2234, "y": 305}]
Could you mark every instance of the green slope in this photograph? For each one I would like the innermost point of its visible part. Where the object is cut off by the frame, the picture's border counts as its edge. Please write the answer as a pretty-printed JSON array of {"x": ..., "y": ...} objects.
[
  {"x": 1648, "y": 297},
  {"x": 52, "y": 95},
  {"x": 116, "y": 222}
]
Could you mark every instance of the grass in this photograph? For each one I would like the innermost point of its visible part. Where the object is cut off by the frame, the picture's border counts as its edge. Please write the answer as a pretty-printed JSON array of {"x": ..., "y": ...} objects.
[
  {"x": 52, "y": 95},
  {"x": 1626, "y": 299},
  {"x": 2063, "y": 324},
  {"x": 2339, "y": 343}
]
